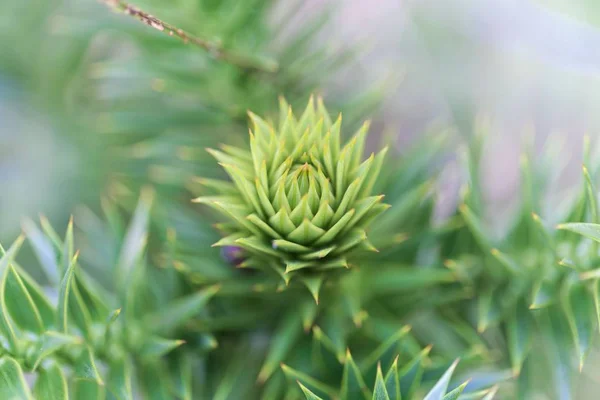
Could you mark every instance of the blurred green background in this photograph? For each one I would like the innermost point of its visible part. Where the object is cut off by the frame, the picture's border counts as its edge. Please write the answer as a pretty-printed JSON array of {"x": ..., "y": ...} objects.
[{"x": 90, "y": 99}]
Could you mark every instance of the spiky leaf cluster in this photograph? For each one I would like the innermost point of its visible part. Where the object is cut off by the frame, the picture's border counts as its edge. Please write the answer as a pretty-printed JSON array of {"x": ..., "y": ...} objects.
[
  {"x": 83, "y": 342},
  {"x": 299, "y": 202},
  {"x": 536, "y": 283},
  {"x": 399, "y": 382}
]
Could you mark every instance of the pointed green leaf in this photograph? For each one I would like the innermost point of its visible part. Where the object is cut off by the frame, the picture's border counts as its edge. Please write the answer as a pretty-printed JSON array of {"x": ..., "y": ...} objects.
[
  {"x": 388, "y": 344},
  {"x": 88, "y": 389},
  {"x": 263, "y": 197},
  {"x": 44, "y": 250},
  {"x": 20, "y": 304},
  {"x": 39, "y": 298},
  {"x": 155, "y": 347},
  {"x": 591, "y": 231},
  {"x": 12, "y": 381},
  {"x": 580, "y": 312},
  {"x": 476, "y": 228},
  {"x": 323, "y": 216},
  {"x": 78, "y": 309},
  {"x": 155, "y": 383},
  {"x": 306, "y": 232},
  {"x": 380, "y": 392},
  {"x": 318, "y": 254},
  {"x": 256, "y": 245},
  {"x": 86, "y": 368},
  {"x": 8, "y": 329},
  {"x": 263, "y": 226},
  {"x": 347, "y": 200},
  {"x": 313, "y": 284},
  {"x": 543, "y": 295},
  {"x": 291, "y": 266},
  {"x": 455, "y": 394},
  {"x": 50, "y": 343},
  {"x": 182, "y": 376},
  {"x": 282, "y": 222},
  {"x": 335, "y": 229},
  {"x": 51, "y": 234},
  {"x": 290, "y": 247},
  {"x": 506, "y": 261},
  {"x": 314, "y": 384},
  {"x": 411, "y": 373},
  {"x": 119, "y": 379},
  {"x": 134, "y": 243},
  {"x": 488, "y": 310},
  {"x": 308, "y": 309},
  {"x": 392, "y": 381},
  {"x": 336, "y": 347},
  {"x": 591, "y": 196},
  {"x": 393, "y": 277},
  {"x": 518, "y": 327},
  {"x": 284, "y": 338},
  {"x": 307, "y": 393},
  {"x": 439, "y": 390},
  {"x": 63, "y": 297},
  {"x": 353, "y": 384},
  {"x": 178, "y": 312},
  {"x": 372, "y": 174},
  {"x": 51, "y": 384},
  {"x": 363, "y": 207}
]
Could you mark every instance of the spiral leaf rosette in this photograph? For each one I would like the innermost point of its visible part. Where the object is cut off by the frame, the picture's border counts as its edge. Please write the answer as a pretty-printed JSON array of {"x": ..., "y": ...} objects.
[{"x": 298, "y": 202}]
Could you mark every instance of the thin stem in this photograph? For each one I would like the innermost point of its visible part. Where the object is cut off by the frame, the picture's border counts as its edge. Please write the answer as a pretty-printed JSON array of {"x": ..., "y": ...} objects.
[{"x": 213, "y": 48}]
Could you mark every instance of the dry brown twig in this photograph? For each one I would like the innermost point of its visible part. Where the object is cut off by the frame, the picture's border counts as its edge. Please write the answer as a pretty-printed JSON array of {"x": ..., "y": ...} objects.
[{"x": 215, "y": 49}]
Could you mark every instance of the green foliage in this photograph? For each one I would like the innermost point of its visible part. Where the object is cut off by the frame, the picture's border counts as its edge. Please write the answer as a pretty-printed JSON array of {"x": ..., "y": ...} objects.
[
  {"x": 149, "y": 310},
  {"x": 299, "y": 202},
  {"x": 397, "y": 383},
  {"x": 87, "y": 342},
  {"x": 534, "y": 283}
]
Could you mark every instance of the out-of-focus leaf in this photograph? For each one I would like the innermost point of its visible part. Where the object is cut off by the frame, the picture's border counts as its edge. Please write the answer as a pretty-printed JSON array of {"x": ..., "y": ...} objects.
[
  {"x": 155, "y": 382},
  {"x": 63, "y": 297},
  {"x": 51, "y": 342},
  {"x": 284, "y": 338},
  {"x": 310, "y": 382},
  {"x": 155, "y": 347},
  {"x": 20, "y": 303},
  {"x": 12, "y": 380},
  {"x": 8, "y": 327},
  {"x": 519, "y": 334},
  {"x": 378, "y": 353},
  {"x": 51, "y": 384},
  {"x": 135, "y": 241},
  {"x": 392, "y": 278},
  {"x": 88, "y": 389},
  {"x": 180, "y": 311},
  {"x": 353, "y": 383},
  {"x": 411, "y": 373},
  {"x": 580, "y": 312},
  {"x": 392, "y": 381},
  {"x": 44, "y": 251},
  {"x": 86, "y": 368},
  {"x": 591, "y": 231},
  {"x": 182, "y": 376},
  {"x": 120, "y": 379}
]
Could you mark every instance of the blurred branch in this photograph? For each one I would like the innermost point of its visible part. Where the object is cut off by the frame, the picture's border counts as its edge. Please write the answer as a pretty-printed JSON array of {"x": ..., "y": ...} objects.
[{"x": 215, "y": 49}]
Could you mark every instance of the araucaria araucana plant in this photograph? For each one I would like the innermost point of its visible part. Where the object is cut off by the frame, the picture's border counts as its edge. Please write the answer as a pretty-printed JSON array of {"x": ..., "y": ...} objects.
[
  {"x": 298, "y": 202},
  {"x": 149, "y": 311}
]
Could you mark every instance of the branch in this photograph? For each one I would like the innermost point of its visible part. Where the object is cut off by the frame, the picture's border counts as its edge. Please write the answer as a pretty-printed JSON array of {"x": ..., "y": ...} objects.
[{"x": 215, "y": 49}]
